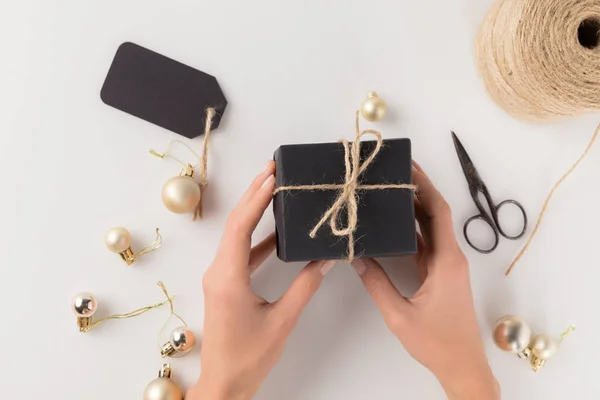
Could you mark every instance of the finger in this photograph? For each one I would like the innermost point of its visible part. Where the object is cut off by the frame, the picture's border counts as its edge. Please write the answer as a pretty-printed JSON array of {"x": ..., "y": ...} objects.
[
  {"x": 303, "y": 288},
  {"x": 423, "y": 220},
  {"x": 422, "y": 269},
  {"x": 258, "y": 181},
  {"x": 261, "y": 252},
  {"x": 420, "y": 247},
  {"x": 417, "y": 166},
  {"x": 234, "y": 250},
  {"x": 437, "y": 211},
  {"x": 380, "y": 287}
]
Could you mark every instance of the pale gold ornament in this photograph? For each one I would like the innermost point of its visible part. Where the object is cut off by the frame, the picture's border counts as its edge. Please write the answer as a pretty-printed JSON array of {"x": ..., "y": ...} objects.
[
  {"x": 118, "y": 240},
  {"x": 373, "y": 108},
  {"x": 542, "y": 348},
  {"x": 181, "y": 194},
  {"x": 163, "y": 387},
  {"x": 513, "y": 335}
]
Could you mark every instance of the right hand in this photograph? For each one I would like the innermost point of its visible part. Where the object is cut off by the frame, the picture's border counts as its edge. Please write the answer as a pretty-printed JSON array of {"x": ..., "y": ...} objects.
[{"x": 437, "y": 326}]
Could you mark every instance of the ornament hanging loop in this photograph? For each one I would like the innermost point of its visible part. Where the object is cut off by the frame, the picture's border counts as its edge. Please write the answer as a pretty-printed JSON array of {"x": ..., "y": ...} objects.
[
  {"x": 181, "y": 340},
  {"x": 165, "y": 371},
  {"x": 167, "y": 153},
  {"x": 566, "y": 333}
]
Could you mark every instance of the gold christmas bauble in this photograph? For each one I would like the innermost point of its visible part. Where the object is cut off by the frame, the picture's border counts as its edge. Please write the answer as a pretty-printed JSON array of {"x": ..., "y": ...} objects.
[
  {"x": 181, "y": 194},
  {"x": 117, "y": 240},
  {"x": 543, "y": 346},
  {"x": 373, "y": 108},
  {"x": 163, "y": 389}
]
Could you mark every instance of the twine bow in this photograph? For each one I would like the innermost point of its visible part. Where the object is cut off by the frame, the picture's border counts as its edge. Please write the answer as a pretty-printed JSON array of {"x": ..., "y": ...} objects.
[{"x": 348, "y": 197}]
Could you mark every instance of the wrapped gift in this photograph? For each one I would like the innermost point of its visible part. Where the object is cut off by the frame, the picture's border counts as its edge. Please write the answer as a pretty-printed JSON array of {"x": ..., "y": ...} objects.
[{"x": 345, "y": 200}]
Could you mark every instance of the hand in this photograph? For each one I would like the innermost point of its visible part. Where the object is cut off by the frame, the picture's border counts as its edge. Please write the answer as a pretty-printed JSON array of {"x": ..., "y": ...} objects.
[
  {"x": 244, "y": 335},
  {"x": 437, "y": 326}
]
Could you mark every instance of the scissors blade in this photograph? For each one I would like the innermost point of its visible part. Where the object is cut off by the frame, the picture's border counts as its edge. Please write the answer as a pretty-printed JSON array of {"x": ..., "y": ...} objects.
[{"x": 467, "y": 165}]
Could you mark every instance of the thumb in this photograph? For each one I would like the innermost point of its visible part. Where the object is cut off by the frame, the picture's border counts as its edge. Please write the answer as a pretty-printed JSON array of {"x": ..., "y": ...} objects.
[
  {"x": 387, "y": 298},
  {"x": 304, "y": 287}
]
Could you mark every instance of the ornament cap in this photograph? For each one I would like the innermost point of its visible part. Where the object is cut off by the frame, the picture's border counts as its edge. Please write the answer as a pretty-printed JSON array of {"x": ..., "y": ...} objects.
[
  {"x": 84, "y": 323},
  {"x": 167, "y": 350},
  {"x": 372, "y": 94},
  {"x": 165, "y": 372},
  {"x": 188, "y": 170},
  {"x": 537, "y": 363},
  {"x": 128, "y": 256},
  {"x": 525, "y": 354}
]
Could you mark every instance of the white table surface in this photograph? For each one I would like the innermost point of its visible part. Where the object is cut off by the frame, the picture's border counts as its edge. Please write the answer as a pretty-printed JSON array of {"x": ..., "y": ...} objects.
[{"x": 293, "y": 72}]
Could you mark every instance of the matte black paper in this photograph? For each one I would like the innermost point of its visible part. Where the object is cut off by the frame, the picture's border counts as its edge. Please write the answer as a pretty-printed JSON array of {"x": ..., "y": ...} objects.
[
  {"x": 162, "y": 91},
  {"x": 386, "y": 218}
]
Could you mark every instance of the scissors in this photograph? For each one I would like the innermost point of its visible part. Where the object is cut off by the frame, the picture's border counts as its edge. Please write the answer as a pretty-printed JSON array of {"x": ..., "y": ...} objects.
[{"x": 477, "y": 186}]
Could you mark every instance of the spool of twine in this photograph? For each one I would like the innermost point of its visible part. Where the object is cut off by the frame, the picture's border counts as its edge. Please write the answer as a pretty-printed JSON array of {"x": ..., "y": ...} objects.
[{"x": 540, "y": 59}]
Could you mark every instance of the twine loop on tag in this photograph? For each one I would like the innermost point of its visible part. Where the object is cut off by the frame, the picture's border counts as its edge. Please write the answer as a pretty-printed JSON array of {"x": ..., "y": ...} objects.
[{"x": 348, "y": 197}]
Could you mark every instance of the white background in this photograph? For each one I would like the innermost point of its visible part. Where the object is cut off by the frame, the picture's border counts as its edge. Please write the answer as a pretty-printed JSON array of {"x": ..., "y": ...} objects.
[{"x": 294, "y": 72}]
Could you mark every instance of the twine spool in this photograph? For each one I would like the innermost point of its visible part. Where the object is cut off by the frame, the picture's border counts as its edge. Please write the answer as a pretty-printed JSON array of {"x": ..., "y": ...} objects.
[{"x": 540, "y": 59}]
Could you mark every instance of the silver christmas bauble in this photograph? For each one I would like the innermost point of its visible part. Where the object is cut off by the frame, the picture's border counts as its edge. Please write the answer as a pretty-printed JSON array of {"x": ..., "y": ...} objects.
[
  {"x": 373, "y": 108},
  {"x": 118, "y": 240},
  {"x": 181, "y": 194},
  {"x": 84, "y": 305},
  {"x": 183, "y": 339},
  {"x": 512, "y": 334},
  {"x": 163, "y": 389},
  {"x": 543, "y": 346}
]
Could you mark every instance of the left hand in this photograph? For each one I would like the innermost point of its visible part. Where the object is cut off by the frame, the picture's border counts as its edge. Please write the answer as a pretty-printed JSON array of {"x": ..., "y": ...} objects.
[{"x": 244, "y": 335}]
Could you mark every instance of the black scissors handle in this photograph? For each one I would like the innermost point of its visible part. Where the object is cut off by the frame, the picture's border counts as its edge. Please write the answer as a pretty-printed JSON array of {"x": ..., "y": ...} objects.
[
  {"x": 499, "y": 226},
  {"x": 493, "y": 222},
  {"x": 485, "y": 218}
]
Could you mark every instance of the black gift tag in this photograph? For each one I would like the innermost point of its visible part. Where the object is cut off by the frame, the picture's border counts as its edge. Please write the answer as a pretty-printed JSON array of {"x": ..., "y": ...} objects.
[{"x": 162, "y": 91}]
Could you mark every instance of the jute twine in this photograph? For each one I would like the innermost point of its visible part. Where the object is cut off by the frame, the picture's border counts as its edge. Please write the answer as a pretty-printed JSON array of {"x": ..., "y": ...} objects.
[
  {"x": 210, "y": 114},
  {"x": 540, "y": 61},
  {"x": 348, "y": 197}
]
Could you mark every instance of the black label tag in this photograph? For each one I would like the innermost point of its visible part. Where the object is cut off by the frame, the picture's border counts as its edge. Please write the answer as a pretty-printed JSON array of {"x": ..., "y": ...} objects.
[{"x": 162, "y": 91}]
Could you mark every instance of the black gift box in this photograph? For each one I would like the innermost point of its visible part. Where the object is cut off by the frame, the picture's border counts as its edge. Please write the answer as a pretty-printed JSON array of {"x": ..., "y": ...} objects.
[{"x": 386, "y": 217}]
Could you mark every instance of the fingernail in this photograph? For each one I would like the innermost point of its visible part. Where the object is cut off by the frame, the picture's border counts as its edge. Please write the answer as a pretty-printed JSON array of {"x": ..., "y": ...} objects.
[
  {"x": 269, "y": 180},
  {"x": 360, "y": 266},
  {"x": 327, "y": 266}
]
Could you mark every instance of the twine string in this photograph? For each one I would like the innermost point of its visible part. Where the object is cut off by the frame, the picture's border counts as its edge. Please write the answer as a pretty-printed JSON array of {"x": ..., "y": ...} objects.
[
  {"x": 539, "y": 61},
  {"x": 547, "y": 202},
  {"x": 210, "y": 114},
  {"x": 172, "y": 314},
  {"x": 202, "y": 159},
  {"x": 348, "y": 197}
]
